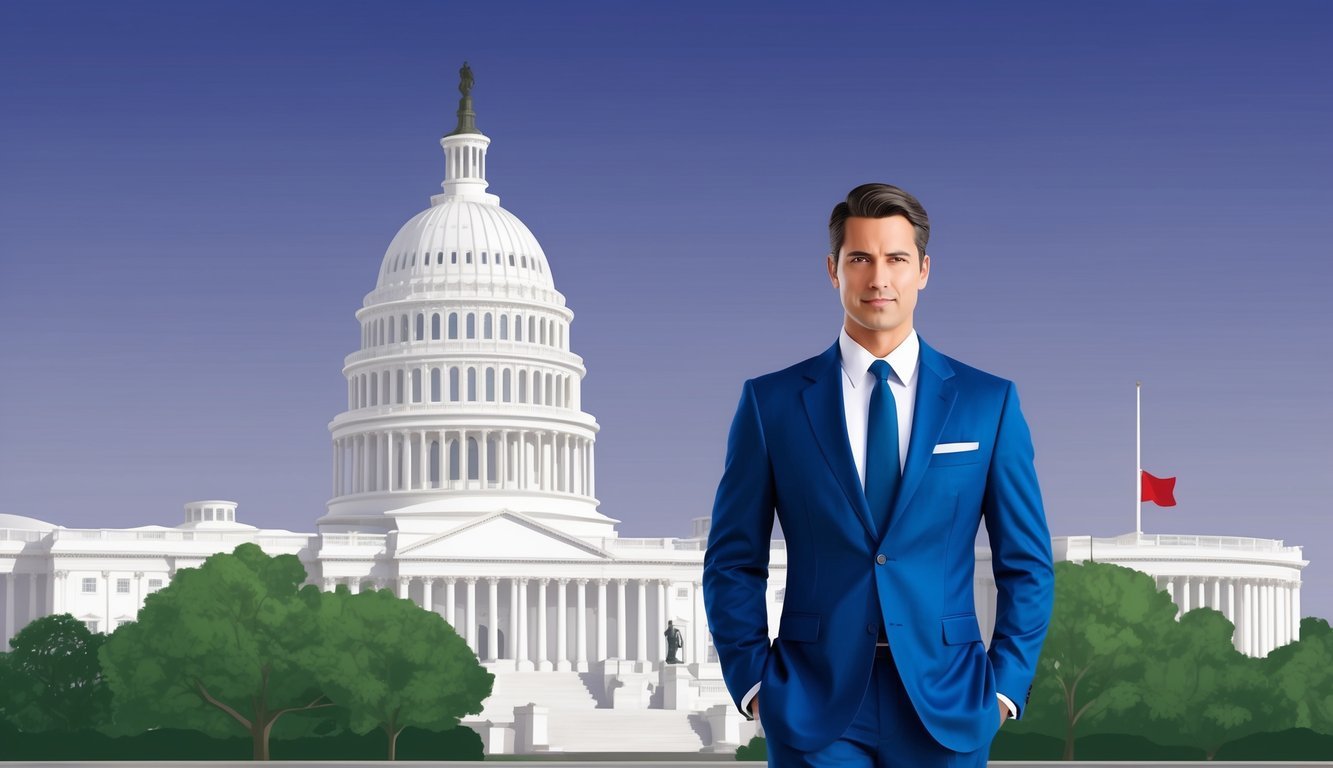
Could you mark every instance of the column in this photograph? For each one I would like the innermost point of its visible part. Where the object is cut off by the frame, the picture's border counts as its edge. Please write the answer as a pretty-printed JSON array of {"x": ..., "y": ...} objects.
[
  {"x": 513, "y": 622},
  {"x": 1202, "y": 597},
  {"x": 622, "y": 616},
  {"x": 1295, "y": 610},
  {"x": 390, "y": 484},
  {"x": 1185, "y": 596},
  {"x": 581, "y": 629},
  {"x": 561, "y": 655},
  {"x": 1246, "y": 617},
  {"x": 354, "y": 585},
  {"x": 660, "y": 632},
  {"x": 424, "y": 456},
  {"x": 442, "y": 459},
  {"x": 7, "y": 630},
  {"x": 1265, "y": 618},
  {"x": 404, "y": 585},
  {"x": 1284, "y": 612},
  {"x": 641, "y": 649},
  {"x": 543, "y": 663},
  {"x": 524, "y": 660},
  {"x": 334, "y": 474},
  {"x": 1217, "y": 594},
  {"x": 471, "y": 618},
  {"x": 1231, "y": 600},
  {"x": 107, "y": 615},
  {"x": 450, "y": 594},
  {"x": 427, "y": 598},
  {"x": 462, "y": 436},
  {"x": 483, "y": 444},
  {"x": 138, "y": 594},
  {"x": 58, "y": 592},
  {"x": 601, "y": 620},
  {"x": 32, "y": 597},
  {"x": 492, "y": 617}
]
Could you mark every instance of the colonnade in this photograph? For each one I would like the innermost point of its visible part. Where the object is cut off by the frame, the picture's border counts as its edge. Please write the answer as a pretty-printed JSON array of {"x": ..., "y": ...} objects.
[
  {"x": 420, "y": 459},
  {"x": 608, "y": 618},
  {"x": 1265, "y": 612}
]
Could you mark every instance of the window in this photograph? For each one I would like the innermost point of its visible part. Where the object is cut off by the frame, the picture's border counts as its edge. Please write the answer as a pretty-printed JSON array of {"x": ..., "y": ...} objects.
[
  {"x": 487, "y": 327},
  {"x": 506, "y": 389},
  {"x": 483, "y": 257},
  {"x": 504, "y": 326},
  {"x": 421, "y": 327},
  {"x": 472, "y": 384},
  {"x": 453, "y": 384},
  {"x": 469, "y": 257},
  {"x": 490, "y": 385},
  {"x": 453, "y": 257},
  {"x": 453, "y": 325},
  {"x": 471, "y": 326},
  {"x": 91, "y": 624},
  {"x": 435, "y": 327},
  {"x": 511, "y": 259},
  {"x": 435, "y": 385},
  {"x": 90, "y": 586},
  {"x": 154, "y": 583},
  {"x": 683, "y": 592},
  {"x": 122, "y": 586}
]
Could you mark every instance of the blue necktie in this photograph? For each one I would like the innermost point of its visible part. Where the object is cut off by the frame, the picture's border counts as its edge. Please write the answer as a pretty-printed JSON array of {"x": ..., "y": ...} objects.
[{"x": 882, "y": 472}]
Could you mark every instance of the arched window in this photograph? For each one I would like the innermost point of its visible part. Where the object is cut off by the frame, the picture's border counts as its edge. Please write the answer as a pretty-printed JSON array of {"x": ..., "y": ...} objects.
[
  {"x": 439, "y": 257},
  {"x": 486, "y": 329},
  {"x": 416, "y": 385},
  {"x": 490, "y": 385},
  {"x": 525, "y": 262},
  {"x": 483, "y": 257},
  {"x": 471, "y": 325},
  {"x": 473, "y": 459},
  {"x": 511, "y": 259},
  {"x": 518, "y": 328},
  {"x": 435, "y": 326},
  {"x": 434, "y": 463},
  {"x": 471, "y": 384},
  {"x": 522, "y": 386},
  {"x": 504, "y": 385},
  {"x": 536, "y": 387},
  {"x": 532, "y": 330},
  {"x": 435, "y": 385},
  {"x": 398, "y": 387},
  {"x": 392, "y": 330},
  {"x": 492, "y": 461},
  {"x": 453, "y": 325},
  {"x": 421, "y": 327},
  {"x": 453, "y": 384},
  {"x": 384, "y": 387},
  {"x": 374, "y": 389},
  {"x": 550, "y": 400},
  {"x": 504, "y": 326},
  {"x": 453, "y": 458},
  {"x": 559, "y": 390},
  {"x": 403, "y": 336},
  {"x": 562, "y": 336}
]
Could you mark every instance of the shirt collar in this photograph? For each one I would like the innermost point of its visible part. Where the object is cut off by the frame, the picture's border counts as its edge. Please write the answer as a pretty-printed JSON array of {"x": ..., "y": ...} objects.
[{"x": 856, "y": 359}]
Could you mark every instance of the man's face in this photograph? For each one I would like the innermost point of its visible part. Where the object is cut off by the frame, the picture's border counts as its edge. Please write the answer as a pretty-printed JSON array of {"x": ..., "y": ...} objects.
[{"x": 877, "y": 273}]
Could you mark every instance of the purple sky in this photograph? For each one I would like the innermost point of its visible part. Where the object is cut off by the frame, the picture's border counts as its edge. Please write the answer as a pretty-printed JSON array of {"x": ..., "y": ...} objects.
[{"x": 195, "y": 197}]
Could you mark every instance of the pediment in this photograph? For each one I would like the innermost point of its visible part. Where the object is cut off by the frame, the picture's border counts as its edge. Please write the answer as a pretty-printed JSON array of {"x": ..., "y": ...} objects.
[{"x": 503, "y": 535}]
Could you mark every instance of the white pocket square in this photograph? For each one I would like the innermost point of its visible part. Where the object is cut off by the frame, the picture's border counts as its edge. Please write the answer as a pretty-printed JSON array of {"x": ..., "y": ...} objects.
[{"x": 955, "y": 447}]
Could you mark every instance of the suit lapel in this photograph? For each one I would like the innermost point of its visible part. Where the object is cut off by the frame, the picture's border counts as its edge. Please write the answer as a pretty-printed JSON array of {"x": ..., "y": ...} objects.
[
  {"x": 935, "y": 395},
  {"x": 824, "y": 407}
]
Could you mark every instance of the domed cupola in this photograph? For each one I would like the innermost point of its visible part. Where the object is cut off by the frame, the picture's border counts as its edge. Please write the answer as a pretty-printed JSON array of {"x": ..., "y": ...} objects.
[{"x": 464, "y": 398}]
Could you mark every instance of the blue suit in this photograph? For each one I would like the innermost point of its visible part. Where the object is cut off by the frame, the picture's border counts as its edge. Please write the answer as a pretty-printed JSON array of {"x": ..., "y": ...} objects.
[{"x": 788, "y": 452}]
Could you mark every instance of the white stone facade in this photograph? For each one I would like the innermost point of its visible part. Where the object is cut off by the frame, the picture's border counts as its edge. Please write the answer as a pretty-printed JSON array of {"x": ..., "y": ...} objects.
[{"x": 463, "y": 478}]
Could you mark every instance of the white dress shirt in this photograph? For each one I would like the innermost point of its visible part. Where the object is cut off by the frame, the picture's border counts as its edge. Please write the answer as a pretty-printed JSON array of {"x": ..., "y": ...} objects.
[{"x": 858, "y": 383}]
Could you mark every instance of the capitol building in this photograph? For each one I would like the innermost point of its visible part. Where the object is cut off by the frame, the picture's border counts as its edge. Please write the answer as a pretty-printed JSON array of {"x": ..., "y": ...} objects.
[{"x": 463, "y": 476}]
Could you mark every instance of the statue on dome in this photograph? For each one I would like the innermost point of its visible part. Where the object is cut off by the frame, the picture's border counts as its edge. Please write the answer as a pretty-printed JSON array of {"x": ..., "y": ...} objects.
[{"x": 465, "y": 79}]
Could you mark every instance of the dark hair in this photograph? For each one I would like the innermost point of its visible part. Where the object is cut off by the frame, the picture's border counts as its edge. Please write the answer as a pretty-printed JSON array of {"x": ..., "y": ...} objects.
[{"x": 877, "y": 201}]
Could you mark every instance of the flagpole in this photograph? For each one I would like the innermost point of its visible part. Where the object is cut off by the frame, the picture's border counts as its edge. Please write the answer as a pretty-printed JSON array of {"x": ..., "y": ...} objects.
[{"x": 1138, "y": 459}]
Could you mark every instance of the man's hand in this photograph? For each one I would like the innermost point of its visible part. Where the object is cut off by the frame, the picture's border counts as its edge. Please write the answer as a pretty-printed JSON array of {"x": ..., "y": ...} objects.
[
  {"x": 1004, "y": 711},
  {"x": 754, "y": 707}
]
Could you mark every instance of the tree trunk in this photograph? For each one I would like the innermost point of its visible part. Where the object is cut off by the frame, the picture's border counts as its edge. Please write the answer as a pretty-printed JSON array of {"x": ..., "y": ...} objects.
[
  {"x": 1069, "y": 742},
  {"x": 393, "y": 740},
  {"x": 259, "y": 743}
]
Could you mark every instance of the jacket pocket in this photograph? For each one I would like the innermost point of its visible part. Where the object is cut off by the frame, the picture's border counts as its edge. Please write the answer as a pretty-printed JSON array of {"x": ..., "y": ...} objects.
[
  {"x": 960, "y": 629},
  {"x": 800, "y": 627}
]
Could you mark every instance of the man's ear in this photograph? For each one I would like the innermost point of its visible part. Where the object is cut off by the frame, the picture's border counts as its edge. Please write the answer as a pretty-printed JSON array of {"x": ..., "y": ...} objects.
[
  {"x": 925, "y": 271},
  {"x": 832, "y": 269}
]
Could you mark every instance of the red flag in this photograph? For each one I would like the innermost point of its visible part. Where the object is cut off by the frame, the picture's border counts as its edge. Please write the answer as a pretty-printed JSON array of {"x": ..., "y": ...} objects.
[{"x": 1159, "y": 489}]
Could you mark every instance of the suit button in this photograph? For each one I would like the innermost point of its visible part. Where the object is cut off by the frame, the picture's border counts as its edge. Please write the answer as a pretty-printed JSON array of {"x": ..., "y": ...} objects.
[{"x": 881, "y": 559}]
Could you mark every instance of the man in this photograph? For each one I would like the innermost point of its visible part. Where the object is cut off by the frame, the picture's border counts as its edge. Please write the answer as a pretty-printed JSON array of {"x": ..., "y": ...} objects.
[{"x": 881, "y": 458}]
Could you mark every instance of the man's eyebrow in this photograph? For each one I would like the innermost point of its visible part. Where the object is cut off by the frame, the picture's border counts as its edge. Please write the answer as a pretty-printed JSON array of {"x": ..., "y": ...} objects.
[{"x": 890, "y": 253}]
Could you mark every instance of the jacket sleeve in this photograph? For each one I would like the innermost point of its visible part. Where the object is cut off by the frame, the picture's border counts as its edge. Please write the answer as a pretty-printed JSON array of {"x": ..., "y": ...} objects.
[
  {"x": 735, "y": 576},
  {"x": 1020, "y": 546}
]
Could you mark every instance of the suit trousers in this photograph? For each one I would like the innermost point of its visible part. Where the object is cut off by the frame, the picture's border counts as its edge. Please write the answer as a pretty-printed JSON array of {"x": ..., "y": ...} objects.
[{"x": 885, "y": 733}]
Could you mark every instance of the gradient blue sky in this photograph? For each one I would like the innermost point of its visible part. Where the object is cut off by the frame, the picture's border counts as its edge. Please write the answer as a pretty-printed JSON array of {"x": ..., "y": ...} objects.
[{"x": 195, "y": 197}]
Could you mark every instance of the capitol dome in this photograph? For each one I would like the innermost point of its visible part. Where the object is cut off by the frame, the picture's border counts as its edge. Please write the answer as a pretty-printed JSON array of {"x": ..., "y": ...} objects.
[
  {"x": 464, "y": 399},
  {"x": 464, "y": 239}
]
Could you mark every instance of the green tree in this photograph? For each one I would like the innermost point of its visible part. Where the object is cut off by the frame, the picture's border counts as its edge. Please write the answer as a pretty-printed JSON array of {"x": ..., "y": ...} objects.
[
  {"x": 51, "y": 680},
  {"x": 1302, "y": 673},
  {"x": 1106, "y": 619},
  {"x": 391, "y": 665},
  {"x": 225, "y": 645},
  {"x": 1198, "y": 690}
]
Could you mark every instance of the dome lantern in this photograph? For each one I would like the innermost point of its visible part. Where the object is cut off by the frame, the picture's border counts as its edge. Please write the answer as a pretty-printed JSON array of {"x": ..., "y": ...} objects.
[{"x": 465, "y": 152}]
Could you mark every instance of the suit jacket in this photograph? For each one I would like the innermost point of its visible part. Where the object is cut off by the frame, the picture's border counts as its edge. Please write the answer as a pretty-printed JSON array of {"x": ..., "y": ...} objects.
[{"x": 788, "y": 453}]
